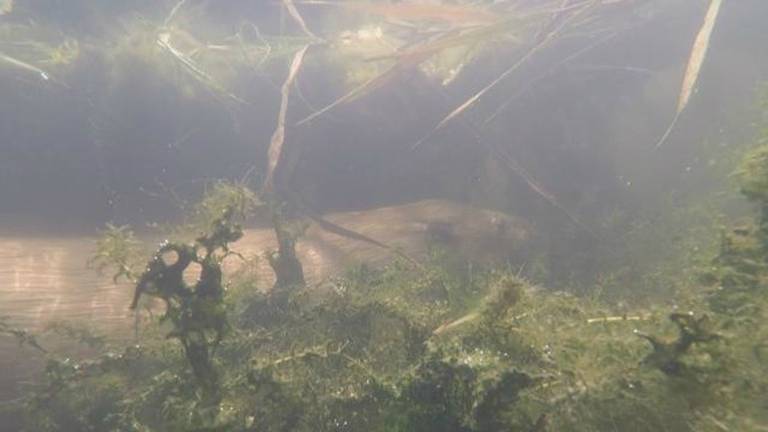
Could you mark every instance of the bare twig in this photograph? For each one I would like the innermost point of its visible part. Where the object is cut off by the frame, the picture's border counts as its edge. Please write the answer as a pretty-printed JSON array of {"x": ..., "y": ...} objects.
[
  {"x": 456, "y": 323},
  {"x": 620, "y": 318}
]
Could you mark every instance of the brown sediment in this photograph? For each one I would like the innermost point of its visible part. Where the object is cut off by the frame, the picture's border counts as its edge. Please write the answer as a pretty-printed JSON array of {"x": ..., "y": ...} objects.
[{"x": 46, "y": 278}]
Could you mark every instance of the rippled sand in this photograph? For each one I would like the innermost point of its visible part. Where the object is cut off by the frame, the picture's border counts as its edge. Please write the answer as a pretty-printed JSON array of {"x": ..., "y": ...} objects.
[{"x": 46, "y": 279}]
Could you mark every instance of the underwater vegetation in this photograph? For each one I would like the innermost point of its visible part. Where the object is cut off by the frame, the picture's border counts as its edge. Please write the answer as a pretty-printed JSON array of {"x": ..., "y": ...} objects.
[
  {"x": 428, "y": 348},
  {"x": 415, "y": 345}
]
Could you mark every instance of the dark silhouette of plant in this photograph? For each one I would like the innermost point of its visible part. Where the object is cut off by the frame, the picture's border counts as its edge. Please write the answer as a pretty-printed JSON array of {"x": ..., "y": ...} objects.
[
  {"x": 667, "y": 356},
  {"x": 196, "y": 312}
]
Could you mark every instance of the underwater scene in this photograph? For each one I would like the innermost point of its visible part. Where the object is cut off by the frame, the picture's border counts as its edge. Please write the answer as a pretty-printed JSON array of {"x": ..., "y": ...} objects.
[{"x": 384, "y": 215}]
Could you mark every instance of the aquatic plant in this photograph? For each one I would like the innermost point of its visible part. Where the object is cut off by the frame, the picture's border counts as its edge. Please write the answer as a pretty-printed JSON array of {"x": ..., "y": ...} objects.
[
  {"x": 389, "y": 350},
  {"x": 117, "y": 248},
  {"x": 196, "y": 312},
  {"x": 81, "y": 334},
  {"x": 428, "y": 348},
  {"x": 220, "y": 197},
  {"x": 34, "y": 50},
  {"x": 407, "y": 347},
  {"x": 23, "y": 337}
]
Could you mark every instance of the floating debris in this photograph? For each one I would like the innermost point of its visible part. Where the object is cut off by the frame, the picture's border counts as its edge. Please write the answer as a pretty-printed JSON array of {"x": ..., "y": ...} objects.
[
  {"x": 25, "y": 66},
  {"x": 695, "y": 62},
  {"x": 278, "y": 137}
]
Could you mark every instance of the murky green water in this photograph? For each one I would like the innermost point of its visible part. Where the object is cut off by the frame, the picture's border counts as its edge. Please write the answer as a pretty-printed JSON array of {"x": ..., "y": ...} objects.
[{"x": 412, "y": 215}]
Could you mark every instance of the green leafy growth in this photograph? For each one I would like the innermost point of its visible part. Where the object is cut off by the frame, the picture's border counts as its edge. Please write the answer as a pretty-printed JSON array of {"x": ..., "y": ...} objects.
[
  {"x": 78, "y": 333},
  {"x": 196, "y": 312},
  {"x": 753, "y": 175},
  {"x": 364, "y": 354},
  {"x": 436, "y": 348},
  {"x": 217, "y": 197},
  {"x": 221, "y": 196},
  {"x": 23, "y": 337},
  {"x": 117, "y": 248}
]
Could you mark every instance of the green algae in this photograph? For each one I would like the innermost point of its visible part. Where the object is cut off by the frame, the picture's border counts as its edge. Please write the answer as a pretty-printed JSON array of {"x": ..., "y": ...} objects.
[{"x": 437, "y": 349}]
